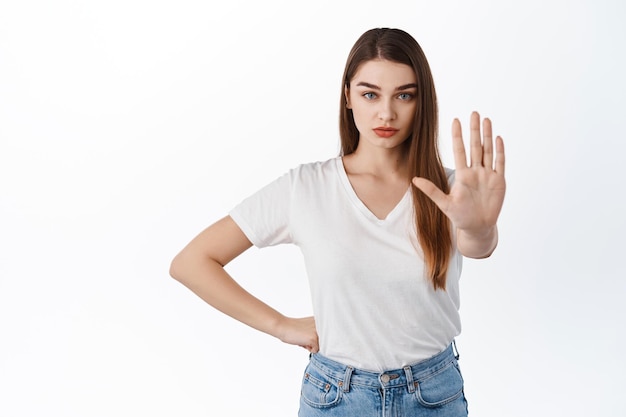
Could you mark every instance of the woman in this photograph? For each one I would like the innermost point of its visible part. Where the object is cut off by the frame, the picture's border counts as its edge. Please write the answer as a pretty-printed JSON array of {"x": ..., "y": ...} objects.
[{"x": 383, "y": 229}]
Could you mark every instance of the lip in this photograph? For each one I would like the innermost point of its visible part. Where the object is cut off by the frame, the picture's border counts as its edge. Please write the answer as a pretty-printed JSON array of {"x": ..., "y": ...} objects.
[{"x": 385, "y": 132}]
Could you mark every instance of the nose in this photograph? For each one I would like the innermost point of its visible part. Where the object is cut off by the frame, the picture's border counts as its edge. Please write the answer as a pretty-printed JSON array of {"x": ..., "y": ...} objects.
[{"x": 386, "y": 111}]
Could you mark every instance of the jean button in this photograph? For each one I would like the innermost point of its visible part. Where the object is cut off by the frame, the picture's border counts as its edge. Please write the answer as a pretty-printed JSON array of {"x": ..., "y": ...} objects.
[{"x": 385, "y": 378}]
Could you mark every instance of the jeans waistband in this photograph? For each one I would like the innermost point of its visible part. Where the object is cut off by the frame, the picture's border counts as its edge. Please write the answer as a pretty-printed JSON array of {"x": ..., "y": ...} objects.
[{"x": 406, "y": 376}]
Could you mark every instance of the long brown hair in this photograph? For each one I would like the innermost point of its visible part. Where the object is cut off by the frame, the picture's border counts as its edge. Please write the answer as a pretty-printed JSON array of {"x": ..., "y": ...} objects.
[{"x": 433, "y": 227}]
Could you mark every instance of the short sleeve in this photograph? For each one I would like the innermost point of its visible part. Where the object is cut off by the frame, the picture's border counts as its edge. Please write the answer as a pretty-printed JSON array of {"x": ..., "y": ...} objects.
[{"x": 264, "y": 216}]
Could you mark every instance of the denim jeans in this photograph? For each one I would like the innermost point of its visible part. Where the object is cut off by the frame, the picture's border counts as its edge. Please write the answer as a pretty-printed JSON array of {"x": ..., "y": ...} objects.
[{"x": 433, "y": 387}]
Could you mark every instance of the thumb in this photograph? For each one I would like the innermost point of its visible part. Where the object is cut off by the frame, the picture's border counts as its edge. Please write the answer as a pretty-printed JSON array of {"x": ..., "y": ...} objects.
[{"x": 432, "y": 191}]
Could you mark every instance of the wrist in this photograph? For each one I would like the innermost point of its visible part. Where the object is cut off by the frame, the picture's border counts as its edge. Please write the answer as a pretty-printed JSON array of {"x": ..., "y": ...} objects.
[
  {"x": 477, "y": 243},
  {"x": 277, "y": 326},
  {"x": 483, "y": 233}
]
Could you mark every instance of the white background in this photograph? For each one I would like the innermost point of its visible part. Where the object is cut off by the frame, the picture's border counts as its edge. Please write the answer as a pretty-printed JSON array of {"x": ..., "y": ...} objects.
[{"x": 126, "y": 127}]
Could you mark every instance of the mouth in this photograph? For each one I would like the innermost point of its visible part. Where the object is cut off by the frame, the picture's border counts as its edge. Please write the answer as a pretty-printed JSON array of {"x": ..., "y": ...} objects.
[{"x": 385, "y": 132}]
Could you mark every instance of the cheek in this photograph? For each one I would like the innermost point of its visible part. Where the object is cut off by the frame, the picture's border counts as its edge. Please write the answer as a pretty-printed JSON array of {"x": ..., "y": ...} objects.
[
  {"x": 359, "y": 112},
  {"x": 361, "y": 120},
  {"x": 409, "y": 114}
]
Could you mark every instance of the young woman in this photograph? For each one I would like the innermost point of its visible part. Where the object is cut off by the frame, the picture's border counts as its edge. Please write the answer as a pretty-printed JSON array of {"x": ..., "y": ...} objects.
[{"x": 383, "y": 229}]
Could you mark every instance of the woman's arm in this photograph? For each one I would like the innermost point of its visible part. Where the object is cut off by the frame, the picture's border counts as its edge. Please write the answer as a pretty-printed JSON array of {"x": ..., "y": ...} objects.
[
  {"x": 200, "y": 267},
  {"x": 476, "y": 197}
]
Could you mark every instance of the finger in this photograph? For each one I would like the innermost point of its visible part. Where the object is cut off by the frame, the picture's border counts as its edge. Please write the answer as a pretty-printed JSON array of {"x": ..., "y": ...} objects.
[
  {"x": 458, "y": 148},
  {"x": 500, "y": 155},
  {"x": 476, "y": 148},
  {"x": 435, "y": 194},
  {"x": 487, "y": 144},
  {"x": 313, "y": 347}
]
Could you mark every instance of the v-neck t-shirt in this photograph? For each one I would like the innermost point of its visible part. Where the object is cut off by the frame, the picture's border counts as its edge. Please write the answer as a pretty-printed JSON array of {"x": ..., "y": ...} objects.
[{"x": 374, "y": 306}]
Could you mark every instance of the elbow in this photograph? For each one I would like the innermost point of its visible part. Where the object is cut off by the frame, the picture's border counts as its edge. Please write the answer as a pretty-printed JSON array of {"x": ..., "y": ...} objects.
[
  {"x": 176, "y": 268},
  {"x": 188, "y": 265}
]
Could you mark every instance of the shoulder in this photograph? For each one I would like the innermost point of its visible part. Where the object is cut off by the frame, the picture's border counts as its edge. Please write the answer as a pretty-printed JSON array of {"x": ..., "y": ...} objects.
[
  {"x": 317, "y": 169},
  {"x": 304, "y": 176},
  {"x": 327, "y": 164}
]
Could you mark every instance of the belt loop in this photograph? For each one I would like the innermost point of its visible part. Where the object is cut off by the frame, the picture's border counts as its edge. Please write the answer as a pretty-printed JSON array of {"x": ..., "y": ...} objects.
[
  {"x": 455, "y": 350},
  {"x": 409, "y": 379},
  {"x": 346, "y": 379}
]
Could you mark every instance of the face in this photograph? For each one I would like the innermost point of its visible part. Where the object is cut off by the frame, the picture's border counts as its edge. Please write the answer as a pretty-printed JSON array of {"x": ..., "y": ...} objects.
[{"x": 382, "y": 96}]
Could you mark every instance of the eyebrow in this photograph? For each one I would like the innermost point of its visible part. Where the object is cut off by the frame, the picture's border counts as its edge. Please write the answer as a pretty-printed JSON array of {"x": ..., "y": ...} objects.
[{"x": 375, "y": 87}]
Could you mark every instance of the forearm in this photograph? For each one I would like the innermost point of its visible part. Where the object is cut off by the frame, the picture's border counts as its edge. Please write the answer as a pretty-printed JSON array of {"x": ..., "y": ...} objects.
[
  {"x": 477, "y": 244},
  {"x": 208, "y": 280}
]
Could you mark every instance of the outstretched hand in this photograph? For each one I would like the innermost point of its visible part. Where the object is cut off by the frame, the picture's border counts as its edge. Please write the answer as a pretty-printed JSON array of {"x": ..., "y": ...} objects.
[{"x": 477, "y": 195}]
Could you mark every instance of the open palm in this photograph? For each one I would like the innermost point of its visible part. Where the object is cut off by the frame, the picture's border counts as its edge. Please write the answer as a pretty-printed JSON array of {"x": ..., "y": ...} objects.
[{"x": 476, "y": 197}]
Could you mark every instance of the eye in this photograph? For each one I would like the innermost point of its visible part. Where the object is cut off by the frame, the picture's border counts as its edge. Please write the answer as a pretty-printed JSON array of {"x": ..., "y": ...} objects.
[
  {"x": 369, "y": 96},
  {"x": 405, "y": 96}
]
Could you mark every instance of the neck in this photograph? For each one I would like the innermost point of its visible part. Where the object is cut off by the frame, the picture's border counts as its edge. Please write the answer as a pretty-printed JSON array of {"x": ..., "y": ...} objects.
[{"x": 379, "y": 162}]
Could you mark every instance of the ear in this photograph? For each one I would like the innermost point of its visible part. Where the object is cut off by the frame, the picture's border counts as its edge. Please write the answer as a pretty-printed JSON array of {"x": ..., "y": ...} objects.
[{"x": 346, "y": 92}]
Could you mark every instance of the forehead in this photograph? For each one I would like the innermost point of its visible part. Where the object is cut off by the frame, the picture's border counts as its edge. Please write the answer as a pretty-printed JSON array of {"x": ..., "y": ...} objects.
[{"x": 383, "y": 73}]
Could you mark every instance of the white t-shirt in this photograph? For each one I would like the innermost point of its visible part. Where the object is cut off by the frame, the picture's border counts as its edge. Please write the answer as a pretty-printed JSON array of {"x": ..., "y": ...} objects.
[{"x": 374, "y": 307}]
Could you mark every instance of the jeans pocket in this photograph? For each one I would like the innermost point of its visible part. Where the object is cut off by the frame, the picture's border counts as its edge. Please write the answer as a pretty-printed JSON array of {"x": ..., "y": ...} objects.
[
  {"x": 319, "y": 390},
  {"x": 440, "y": 387}
]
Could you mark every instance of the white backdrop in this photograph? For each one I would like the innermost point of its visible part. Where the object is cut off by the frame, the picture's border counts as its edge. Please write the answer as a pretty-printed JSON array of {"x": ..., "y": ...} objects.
[{"x": 128, "y": 126}]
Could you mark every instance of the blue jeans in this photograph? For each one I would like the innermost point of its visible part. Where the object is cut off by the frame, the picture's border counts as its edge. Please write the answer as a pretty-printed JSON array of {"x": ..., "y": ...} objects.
[{"x": 433, "y": 387}]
